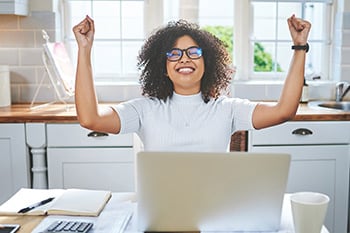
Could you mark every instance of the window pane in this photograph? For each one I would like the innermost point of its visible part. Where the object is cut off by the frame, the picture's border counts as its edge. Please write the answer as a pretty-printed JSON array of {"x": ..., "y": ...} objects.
[
  {"x": 271, "y": 57},
  {"x": 264, "y": 20},
  {"x": 213, "y": 14},
  {"x": 285, "y": 10},
  {"x": 129, "y": 56},
  {"x": 132, "y": 19},
  {"x": 107, "y": 19},
  {"x": 283, "y": 56},
  {"x": 264, "y": 57},
  {"x": 107, "y": 58}
]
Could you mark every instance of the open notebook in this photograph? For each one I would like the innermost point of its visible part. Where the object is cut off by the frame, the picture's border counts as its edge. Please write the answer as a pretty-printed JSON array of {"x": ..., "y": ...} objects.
[
  {"x": 235, "y": 191},
  {"x": 81, "y": 202}
]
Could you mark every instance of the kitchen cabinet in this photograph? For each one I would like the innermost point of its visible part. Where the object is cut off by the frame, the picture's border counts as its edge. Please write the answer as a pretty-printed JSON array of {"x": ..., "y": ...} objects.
[
  {"x": 320, "y": 154},
  {"x": 79, "y": 158},
  {"x": 14, "y": 160},
  {"x": 15, "y": 7}
]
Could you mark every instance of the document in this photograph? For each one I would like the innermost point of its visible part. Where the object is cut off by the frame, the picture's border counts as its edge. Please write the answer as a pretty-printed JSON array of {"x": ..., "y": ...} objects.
[
  {"x": 79, "y": 202},
  {"x": 115, "y": 217}
]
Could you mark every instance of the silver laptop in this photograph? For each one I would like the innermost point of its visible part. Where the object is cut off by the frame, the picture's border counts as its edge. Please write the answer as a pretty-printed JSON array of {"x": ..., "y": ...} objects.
[{"x": 237, "y": 191}]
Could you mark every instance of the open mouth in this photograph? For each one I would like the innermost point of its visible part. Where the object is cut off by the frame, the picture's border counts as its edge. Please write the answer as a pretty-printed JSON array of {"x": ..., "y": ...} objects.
[{"x": 185, "y": 70}]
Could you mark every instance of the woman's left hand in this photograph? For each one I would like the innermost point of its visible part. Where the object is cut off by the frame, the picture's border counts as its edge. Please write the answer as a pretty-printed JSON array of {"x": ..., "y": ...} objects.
[{"x": 299, "y": 30}]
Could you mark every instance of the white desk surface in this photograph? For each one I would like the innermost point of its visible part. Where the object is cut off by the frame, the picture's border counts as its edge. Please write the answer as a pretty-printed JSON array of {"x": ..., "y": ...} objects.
[{"x": 121, "y": 204}]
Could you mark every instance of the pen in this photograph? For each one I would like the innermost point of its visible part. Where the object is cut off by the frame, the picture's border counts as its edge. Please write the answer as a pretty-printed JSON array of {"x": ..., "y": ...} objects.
[{"x": 43, "y": 202}]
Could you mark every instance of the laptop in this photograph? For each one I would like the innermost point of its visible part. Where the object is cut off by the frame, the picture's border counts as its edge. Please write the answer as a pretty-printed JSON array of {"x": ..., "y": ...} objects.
[{"x": 233, "y": 191}]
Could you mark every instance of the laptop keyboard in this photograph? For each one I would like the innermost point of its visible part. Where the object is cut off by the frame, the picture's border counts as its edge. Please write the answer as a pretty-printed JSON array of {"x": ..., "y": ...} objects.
[{"x": 69, "y": 227}]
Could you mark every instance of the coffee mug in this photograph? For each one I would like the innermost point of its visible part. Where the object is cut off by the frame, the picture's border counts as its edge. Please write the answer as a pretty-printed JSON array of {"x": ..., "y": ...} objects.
[{"x": 309, "y": 211}]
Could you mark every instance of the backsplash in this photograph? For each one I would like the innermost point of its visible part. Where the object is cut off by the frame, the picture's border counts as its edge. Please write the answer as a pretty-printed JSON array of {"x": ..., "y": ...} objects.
[{"x": 21, "y": 48}]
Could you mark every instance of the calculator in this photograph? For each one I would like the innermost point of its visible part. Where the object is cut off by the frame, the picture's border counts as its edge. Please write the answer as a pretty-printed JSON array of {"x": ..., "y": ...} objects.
[{"x": 69, "y": 226}]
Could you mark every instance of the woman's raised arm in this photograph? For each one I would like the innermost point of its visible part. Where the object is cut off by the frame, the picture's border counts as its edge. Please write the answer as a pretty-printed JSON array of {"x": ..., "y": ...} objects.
[
  {"x": 286, "y": 108},
  {"x": 90, "y": 115}
]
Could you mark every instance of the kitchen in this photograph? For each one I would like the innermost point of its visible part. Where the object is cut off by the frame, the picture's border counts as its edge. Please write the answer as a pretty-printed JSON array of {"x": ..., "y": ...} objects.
[{"x": 21, "y": 48}]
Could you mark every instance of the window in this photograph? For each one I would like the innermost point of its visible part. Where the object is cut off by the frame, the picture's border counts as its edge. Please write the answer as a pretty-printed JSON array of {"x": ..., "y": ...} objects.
[
  {"x": 256, "y": 32},
  {"x": 118, "y": 37},
  {"x": 270, "y": 35}
]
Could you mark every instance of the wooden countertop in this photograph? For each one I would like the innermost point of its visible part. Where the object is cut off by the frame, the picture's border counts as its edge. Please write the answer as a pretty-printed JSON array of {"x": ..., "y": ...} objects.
[
  {"x": 27, "y": 223},
  {"x": 60, "y": 113}
]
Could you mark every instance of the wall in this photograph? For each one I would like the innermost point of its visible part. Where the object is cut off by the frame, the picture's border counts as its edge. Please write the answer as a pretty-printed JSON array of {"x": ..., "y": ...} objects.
[
  {"x": 345, "y": 67},
  {"x": 341, "y": 52},
  {"x": 21, "y": 48}
]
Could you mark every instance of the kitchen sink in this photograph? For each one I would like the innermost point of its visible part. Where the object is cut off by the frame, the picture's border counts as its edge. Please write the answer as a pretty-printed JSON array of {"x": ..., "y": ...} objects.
[{"x": 341, "y": 105}]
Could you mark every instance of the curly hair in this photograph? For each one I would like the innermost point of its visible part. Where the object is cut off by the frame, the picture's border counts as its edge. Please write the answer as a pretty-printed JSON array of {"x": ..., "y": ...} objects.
[{"x": 152, "y": 61}]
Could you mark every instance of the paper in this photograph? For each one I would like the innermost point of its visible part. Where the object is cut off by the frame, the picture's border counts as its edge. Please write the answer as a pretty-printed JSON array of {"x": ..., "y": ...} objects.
[
  {"x": 114, "y": 218},
  {"x": 67, "y": 202}
]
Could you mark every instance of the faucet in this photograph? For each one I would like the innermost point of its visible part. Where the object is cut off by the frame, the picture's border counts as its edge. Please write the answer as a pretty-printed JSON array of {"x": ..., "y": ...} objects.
[{"x": 341, "y": 89}]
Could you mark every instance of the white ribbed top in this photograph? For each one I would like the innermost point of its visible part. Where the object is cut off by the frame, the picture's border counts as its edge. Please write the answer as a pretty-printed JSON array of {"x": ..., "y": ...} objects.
[{"x": 185, "y": 123}]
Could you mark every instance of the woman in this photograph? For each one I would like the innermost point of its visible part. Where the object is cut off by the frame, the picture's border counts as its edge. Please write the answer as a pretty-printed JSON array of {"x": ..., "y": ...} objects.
[{"x": 184, "y": 70}]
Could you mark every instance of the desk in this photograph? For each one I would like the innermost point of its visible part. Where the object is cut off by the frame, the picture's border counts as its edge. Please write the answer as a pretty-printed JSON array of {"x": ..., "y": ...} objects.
[{"x": 29, "y": 223}]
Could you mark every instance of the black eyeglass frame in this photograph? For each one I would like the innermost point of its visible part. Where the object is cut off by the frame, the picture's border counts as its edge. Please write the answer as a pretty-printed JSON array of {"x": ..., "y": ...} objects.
[{"x": 199, "y": 53}]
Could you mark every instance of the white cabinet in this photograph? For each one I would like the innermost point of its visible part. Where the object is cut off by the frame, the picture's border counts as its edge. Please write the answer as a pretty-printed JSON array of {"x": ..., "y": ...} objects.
[
  {"x": 14, "y": 160},
  {"x": 79, "y": 158},
  {"x": 16, "y": 7},
  {"x": 320, "y": 161}
]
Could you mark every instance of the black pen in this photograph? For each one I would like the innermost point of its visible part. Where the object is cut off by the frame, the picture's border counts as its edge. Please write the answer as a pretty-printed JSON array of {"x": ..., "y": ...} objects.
[{"x": 43, "y": 202}]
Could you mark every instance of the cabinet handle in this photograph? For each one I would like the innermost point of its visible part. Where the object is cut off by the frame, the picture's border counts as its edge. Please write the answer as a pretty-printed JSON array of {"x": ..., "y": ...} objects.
[
  {"x": 302, "y": 131},
  {"x": 97, "y": 134}
]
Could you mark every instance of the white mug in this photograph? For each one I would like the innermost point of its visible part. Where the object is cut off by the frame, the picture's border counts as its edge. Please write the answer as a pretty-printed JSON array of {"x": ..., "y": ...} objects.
[{"x": 309, "y": 211}]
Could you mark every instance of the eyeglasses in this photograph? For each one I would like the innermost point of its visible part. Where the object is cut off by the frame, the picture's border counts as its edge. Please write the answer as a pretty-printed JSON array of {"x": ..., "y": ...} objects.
[{"x": 176, "y": 54}]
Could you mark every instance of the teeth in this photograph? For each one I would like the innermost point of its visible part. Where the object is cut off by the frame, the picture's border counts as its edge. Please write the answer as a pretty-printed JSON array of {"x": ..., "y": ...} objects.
[{"x": 185, "y": 70}]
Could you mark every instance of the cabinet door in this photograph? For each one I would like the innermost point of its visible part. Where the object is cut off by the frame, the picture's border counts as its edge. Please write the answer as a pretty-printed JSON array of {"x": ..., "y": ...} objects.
[
  {"x": 14, "y": 160},
  {"x": 73, "y": 135},
  {"x": 320, "y": 169},
  {"x": 91, "y": 168},
  {"x": 302, "y": 133}
]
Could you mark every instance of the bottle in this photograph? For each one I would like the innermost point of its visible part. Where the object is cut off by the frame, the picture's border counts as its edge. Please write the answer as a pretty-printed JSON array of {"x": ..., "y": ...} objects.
[{"x": 305, "y": 93}]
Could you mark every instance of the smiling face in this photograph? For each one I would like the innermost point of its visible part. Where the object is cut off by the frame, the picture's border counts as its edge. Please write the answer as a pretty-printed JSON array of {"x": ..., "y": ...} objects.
[{"x": 186, "y": 73}]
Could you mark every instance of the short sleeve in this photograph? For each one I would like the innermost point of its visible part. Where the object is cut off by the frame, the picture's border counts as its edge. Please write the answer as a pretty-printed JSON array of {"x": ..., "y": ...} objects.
[
  {"x": 243, "y": 114},
  {"x": 130, "y": 115}
]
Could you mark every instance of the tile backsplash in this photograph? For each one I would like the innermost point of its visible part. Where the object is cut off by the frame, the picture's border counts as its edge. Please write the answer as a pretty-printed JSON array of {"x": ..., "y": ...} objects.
[{"x": 21, "y": 48}]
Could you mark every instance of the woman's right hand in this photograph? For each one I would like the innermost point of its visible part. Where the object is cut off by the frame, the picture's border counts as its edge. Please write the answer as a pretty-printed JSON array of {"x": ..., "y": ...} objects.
[{"x": 84, "y": 33}]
